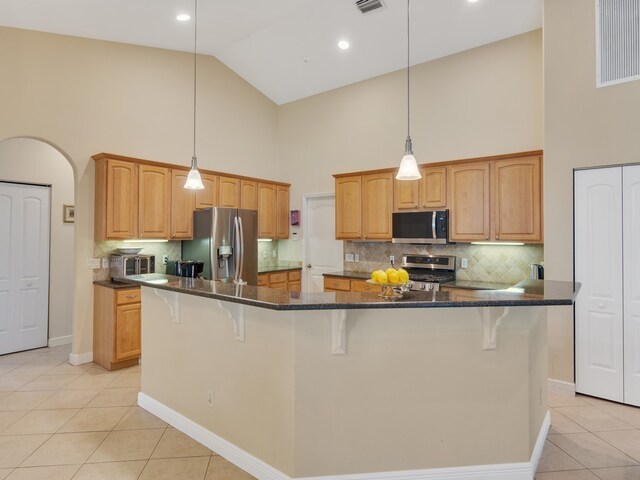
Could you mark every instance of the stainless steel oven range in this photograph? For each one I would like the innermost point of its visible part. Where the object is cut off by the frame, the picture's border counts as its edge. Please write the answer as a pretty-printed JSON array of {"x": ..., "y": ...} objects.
[{"x": 427, "y": 272}]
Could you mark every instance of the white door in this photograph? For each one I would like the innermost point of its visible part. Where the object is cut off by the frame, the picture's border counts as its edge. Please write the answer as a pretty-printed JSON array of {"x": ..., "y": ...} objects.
[
  {"x": 24, "y": 266},
  {"x": 598, "y": 267},
  {"x": 322, "y": 252},
  {"x": 631, "y": 267}
]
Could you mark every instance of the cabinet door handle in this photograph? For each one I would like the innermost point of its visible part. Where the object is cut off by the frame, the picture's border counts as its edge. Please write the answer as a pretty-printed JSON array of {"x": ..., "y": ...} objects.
[
  {"x": 497, "y": 237},
  {"x": 132, "y": 296}
]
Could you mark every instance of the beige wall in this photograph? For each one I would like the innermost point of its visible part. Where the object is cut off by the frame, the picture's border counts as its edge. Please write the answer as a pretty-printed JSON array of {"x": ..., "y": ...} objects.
[
  {"x": 584, "y": 126},
  {"x": 484, "y": 101},
  {"x": 32, "y": 161},
  {"x": 86, "y": 96}
]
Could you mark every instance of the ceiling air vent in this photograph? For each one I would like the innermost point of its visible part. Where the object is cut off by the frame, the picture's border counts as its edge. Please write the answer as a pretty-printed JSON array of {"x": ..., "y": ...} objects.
[
  {"x": 366, "y": 6},
  {"x": 617, "y": 41}
]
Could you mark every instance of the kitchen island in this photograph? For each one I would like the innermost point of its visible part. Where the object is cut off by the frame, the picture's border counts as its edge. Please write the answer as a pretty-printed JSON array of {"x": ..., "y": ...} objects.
[{"x": 297, "y": 384}]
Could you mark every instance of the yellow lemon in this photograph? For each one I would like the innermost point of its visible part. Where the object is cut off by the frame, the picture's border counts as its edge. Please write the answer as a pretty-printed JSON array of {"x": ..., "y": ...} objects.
[
  {"x": 389, "y": 270},
  {"x": 393, "y": 277},
  {"x": 382, "y": 277},
  {"x": 374, "y": 276},
  {"x": 403, "y": 275}
]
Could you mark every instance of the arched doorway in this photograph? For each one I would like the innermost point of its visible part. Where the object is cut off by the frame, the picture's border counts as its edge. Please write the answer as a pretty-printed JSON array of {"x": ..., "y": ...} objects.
[{"x": 34, "y": 161}]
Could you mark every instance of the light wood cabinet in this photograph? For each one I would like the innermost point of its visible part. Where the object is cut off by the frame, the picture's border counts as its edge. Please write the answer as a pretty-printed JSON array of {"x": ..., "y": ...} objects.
[
  {"x": 428, "y": 193},
  {"x": 349, "y": 207},
  {"x": 207, "y": 197},
  {"x": 342, "y": 284},
  {"x": 267, "y": 200},
  {"x": 229, "y": 192},
  {"x": 116, "y": 327},
  {"x": 433, "y": 188},
  {"x": 517, "y": 199},
  {"x": 154, "y": 201},
  {"x": 282, "y": 211},
  {"x": 249, "y": 194},
  {"x": 377, "y": 206},
  {"x": 289, "y": 280},
  {"x": 182, "y": 206},
  {"x": 469, "y": 202},
  {"x": 116, "y": 202}
]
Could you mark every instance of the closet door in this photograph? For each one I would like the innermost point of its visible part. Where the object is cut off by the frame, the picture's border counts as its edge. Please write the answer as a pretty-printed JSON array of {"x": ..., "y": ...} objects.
[
  {"x": 631, "y": 267},
  {"x": 598, "y": 267}
]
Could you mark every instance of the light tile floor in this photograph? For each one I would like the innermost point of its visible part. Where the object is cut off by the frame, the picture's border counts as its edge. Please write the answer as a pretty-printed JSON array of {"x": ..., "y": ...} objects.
[
  {"x": 61, "y": 422},
  {"x": 591, "y": 439}
]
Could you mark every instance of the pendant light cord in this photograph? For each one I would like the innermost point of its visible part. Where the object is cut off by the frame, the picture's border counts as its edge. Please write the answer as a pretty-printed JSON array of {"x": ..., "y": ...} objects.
[
  {"x": 408, "y": 83},
  {"x": 195, "y": 73}
]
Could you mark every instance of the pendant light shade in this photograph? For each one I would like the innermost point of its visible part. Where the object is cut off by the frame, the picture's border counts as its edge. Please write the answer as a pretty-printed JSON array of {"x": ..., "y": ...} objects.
[
  {"x": 194, "y": 181},
  {"x": 408, "y": 166}
]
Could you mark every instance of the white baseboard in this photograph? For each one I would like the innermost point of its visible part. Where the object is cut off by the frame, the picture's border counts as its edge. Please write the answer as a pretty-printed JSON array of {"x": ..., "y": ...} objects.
[
  {"x": 264, "y": 471},
  {"x": 559, "y": 387},
  {"x": 81, "y": 358},
  {"x": 57, "y": 341}
]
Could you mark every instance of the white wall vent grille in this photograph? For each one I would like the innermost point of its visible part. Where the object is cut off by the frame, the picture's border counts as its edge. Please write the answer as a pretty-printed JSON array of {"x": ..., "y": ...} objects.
[
  {"x": 366, "y": 6},
  {"x": 617, "y": 41}
]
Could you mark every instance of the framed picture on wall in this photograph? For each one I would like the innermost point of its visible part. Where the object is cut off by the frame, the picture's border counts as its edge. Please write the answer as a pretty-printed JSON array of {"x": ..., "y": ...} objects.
[{"x": 68, "y": 213}]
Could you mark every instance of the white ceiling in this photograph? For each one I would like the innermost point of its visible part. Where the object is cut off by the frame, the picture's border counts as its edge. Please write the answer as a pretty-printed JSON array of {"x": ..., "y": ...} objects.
[{"x": 267, "y": 42}]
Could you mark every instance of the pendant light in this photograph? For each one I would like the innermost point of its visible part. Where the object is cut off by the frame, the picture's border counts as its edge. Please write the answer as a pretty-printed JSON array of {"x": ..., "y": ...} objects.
[
  {"x": 194, "y": 181},
  {"x": 408, "y": 166}
]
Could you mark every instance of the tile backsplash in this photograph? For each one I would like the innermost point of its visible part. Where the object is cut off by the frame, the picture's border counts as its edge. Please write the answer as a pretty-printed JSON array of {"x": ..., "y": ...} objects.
[
  {"x": 486, "y": 263},
  {"x": 268, "y": 256},
  {"x": 104, "y": 248}
]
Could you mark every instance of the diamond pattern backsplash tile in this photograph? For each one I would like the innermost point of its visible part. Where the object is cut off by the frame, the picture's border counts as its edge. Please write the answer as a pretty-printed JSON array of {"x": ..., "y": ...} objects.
[{"x": 486, "y": 263}]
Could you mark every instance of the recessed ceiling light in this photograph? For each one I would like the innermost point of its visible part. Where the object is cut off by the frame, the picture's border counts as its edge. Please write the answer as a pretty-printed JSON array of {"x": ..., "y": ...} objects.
[
  {"x": 183, "y": 17},
  {"x": 343, "y": 45},
  {"x": 472, "y": 1}
]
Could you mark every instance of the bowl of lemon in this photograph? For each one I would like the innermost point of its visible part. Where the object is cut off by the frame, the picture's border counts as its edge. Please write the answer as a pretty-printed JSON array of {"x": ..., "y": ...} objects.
[{"x": 392, "y": 281}]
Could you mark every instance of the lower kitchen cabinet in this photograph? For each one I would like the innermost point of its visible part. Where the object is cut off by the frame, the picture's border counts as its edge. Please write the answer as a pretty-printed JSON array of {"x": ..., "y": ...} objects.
[
  {"x": 342, "y": 284},
  {"x": 116, "y": 327},
  {"x": 289, "y": 280}
]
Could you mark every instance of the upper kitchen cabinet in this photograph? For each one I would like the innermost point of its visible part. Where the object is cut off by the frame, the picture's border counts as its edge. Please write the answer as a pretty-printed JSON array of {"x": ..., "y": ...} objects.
[
  {"x": 207, "y": 197},
  {"x": 377, "y": 205},
  {"x": 517, "y": 199},
  {"x": 249, "y": 194},
  {"x": 154, "y": 201},
  {"x": 433, "y": 188},
  {"x": 428, "y": 193},
  {"x": 116, "y": 202},
  {"x": 182, "y": 206},
  {"x": 469, "y": 202},
  {"x": 229, "y": 192},
  {"x": 349, "y": 207},
  {"x": 267, "y": 200},
  {"x": 282, "y": 211}
]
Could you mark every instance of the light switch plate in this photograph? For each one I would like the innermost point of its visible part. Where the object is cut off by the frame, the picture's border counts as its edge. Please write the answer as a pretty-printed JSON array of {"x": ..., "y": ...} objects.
[
  {"x": 464, "y": 263},
  {"x": 348, "y": 257},
  {"x": 93, "y": 263}
]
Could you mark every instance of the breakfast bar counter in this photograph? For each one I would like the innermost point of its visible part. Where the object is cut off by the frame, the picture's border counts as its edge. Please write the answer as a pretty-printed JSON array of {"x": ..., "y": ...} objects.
[{"x": 296, "y": 385}]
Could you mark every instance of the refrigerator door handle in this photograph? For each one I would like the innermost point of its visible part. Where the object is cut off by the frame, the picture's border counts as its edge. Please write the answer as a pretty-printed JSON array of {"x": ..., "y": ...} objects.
[{"x": 239, "y": 252}]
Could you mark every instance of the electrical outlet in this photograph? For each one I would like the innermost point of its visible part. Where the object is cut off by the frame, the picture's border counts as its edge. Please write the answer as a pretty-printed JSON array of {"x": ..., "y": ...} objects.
[
  {"x": 165, "y": 259},
  {"x": 93, "y": 263},
  {"x": 210, "y": 398},
  {"x": 105, "y": 262},
  {"x": 392, "y": 259},
  {"x": 463, "y": 263},
  {"x": 356, "y": 257},
  {"x": 274, "y": 253}
]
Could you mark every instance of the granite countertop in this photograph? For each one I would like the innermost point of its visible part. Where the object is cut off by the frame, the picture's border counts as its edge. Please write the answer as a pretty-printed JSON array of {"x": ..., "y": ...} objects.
[
  {"x": 348, "y": 274},
  {"x": 112, "y": 284},
  {"x": 277, "y": 268},
  {"x": 527, "y": 293}
]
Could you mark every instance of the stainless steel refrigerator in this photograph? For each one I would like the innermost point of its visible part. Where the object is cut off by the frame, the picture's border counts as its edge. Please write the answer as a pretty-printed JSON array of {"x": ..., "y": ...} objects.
[{"x": 226, "y": 240}]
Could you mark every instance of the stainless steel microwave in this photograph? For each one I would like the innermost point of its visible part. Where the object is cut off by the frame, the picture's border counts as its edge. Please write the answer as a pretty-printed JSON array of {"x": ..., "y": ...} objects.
[
  {"x": 121, "y": 265},
  {"x": 420, "y": 227}
]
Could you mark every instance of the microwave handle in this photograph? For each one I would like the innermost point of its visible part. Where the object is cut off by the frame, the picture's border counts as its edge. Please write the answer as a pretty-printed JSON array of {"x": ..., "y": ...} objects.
[{"x": 433, "y": 224}]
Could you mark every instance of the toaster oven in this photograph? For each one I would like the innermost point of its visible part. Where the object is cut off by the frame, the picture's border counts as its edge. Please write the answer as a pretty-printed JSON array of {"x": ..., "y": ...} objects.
[{"x": 122, "y": 265}]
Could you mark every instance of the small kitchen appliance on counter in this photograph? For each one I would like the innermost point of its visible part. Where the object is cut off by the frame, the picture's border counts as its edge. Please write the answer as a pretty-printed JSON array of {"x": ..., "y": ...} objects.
[
  {"x": 537, "y": 271},
  {"x": 121, "y": 265},
  {"x": 427, "y": 272},
  {"x": 185, "y": 268}
]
